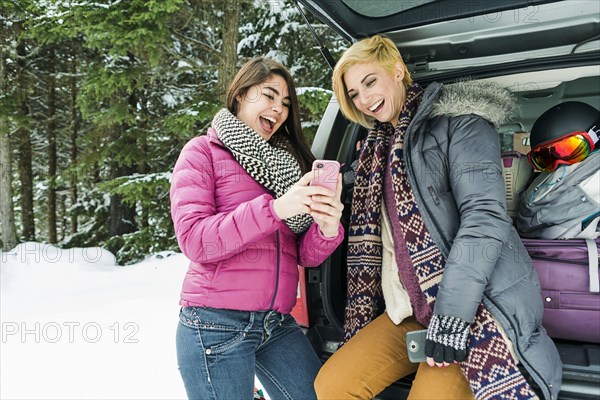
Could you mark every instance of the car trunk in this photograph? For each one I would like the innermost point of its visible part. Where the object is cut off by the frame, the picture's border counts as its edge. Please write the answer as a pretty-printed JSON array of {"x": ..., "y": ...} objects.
[
  {"x": 545, "y": 52},
  {"x": 326, "y": 286}
]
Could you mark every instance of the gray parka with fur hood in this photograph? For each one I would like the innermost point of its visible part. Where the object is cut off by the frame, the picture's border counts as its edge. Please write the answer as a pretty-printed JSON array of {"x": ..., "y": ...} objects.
[{"x": 452, "y": 153}]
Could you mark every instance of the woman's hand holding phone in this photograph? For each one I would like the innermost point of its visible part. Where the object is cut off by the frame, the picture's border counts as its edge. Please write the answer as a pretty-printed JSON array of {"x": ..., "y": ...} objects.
[
  {"x": 318, "y": 194},
  {"x": 326, "y": 210},
  {"x": 299, "y": 197}
]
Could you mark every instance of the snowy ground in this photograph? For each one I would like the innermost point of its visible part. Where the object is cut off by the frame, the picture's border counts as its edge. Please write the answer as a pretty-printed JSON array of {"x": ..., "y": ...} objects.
[{"x": 77, "y": 326}]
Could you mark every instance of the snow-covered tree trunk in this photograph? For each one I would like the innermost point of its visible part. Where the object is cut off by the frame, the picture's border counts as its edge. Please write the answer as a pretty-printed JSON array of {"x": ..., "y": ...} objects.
[
  {"x": 51, "y": 131},
  {"x": 7, "y": 215},
  {"x": 24, "y": 146},
  {"x": 230, "y": 37},
  {"x": 9, "y": 233},
  {"x": 122, "y": 215},
  {"x": 73, "y": 141}
]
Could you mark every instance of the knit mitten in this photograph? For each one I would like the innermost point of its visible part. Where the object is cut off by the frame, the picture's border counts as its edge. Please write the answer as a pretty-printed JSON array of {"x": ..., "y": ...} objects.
[{"x": 446, "y": 339}]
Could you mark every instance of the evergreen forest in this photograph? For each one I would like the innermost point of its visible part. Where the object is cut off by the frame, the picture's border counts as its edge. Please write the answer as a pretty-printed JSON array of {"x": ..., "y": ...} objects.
[{"x": 97, "y": 98}]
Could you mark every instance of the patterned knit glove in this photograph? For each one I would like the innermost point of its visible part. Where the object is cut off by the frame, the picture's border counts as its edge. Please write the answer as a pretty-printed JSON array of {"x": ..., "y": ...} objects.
[{"x": 447, "y": 339}]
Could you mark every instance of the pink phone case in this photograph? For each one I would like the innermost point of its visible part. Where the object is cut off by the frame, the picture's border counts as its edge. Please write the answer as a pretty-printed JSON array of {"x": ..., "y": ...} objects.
[{"x": 328, "y": 174}]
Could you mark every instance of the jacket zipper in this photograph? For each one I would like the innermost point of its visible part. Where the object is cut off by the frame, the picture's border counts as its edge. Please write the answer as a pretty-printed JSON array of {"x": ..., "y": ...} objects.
[
  {"x": 277, "y": 271},
  {"x": 517, "y": 330}
]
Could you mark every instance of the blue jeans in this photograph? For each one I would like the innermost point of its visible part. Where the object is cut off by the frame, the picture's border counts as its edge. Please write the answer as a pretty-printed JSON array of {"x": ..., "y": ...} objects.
[{"x": 220, "y": 351}]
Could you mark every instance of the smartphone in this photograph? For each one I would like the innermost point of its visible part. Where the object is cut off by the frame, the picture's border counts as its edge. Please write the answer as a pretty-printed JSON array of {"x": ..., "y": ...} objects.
[
  {"x": 415, "y": 345},
  {"x": 326, "y": 173}
]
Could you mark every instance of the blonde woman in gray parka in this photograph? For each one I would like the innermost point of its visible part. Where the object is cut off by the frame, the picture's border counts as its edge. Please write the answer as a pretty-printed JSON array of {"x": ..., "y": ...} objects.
[{"x": 431, "y": 245}]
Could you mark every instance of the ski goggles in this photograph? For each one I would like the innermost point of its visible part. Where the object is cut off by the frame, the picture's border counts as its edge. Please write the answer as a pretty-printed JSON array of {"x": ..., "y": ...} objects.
[{"x": 568, "y": 149}]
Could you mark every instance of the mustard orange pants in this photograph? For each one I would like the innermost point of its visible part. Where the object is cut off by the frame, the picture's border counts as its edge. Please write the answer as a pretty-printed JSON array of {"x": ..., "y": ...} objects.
[{"x": 376, "y": 357}]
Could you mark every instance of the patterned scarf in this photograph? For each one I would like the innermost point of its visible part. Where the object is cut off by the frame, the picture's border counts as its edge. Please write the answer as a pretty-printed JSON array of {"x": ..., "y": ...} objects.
[
  {"x": 268, "y": 163},
  {"x": 490, "y": 368}
]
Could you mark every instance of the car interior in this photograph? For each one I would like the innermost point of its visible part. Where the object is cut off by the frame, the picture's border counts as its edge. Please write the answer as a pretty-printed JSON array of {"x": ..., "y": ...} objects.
[
  {"x": 534, "y": 92},
  {"x": 545, "y": 52}
]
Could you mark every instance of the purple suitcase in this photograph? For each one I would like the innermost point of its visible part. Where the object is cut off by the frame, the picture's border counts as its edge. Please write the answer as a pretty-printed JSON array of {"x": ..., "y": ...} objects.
[{"x": 569, "y": 281}]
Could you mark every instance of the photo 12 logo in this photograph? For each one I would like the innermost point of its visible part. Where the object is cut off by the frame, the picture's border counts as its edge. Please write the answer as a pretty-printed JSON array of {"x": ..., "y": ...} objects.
[{"x": 69, "y": 332}]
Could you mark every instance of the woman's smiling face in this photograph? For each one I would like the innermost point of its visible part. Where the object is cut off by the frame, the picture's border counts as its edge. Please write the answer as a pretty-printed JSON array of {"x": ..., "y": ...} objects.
[
  {"x": 374, "y": 92},
  {"x": 265, "y": 107}
]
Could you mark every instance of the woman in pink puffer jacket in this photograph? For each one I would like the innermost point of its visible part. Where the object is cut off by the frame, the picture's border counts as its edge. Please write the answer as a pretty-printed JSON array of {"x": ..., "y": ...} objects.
[{"x": 246, "y": 217}]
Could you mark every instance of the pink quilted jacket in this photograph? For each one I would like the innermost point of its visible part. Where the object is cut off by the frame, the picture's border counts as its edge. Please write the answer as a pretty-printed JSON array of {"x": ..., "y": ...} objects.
[{"x": 242, "y": 256}]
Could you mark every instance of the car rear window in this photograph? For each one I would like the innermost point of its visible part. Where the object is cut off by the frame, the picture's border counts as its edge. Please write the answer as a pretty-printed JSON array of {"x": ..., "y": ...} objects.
[{"x": 383, "y": 8}]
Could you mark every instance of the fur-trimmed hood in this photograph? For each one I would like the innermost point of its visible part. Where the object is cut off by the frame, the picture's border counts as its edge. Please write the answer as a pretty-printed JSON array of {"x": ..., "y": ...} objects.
[{"x": 486, "y": 99}]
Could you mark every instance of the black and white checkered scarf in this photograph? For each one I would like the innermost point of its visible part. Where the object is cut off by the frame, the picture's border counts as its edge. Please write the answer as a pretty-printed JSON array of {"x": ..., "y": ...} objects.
[{"x": 268, "y": 163}]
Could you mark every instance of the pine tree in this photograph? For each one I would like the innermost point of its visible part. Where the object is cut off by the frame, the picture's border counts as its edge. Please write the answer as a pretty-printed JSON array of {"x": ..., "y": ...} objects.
[
  {"x": 23, "y": 136},
  {"x": 51, "y": 132},
  {"x": 123, "y": 43},
  {"x": 7, "y": 216},
  {"x": 49, "y": 118}
]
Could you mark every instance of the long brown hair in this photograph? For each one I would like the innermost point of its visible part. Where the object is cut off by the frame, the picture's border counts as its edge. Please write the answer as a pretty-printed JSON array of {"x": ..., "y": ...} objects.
[{"x": 256, "y": 71}]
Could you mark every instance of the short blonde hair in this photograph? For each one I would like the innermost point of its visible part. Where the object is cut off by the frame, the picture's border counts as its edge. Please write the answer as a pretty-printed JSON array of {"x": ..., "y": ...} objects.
[{"x": 377, "y": 49}]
